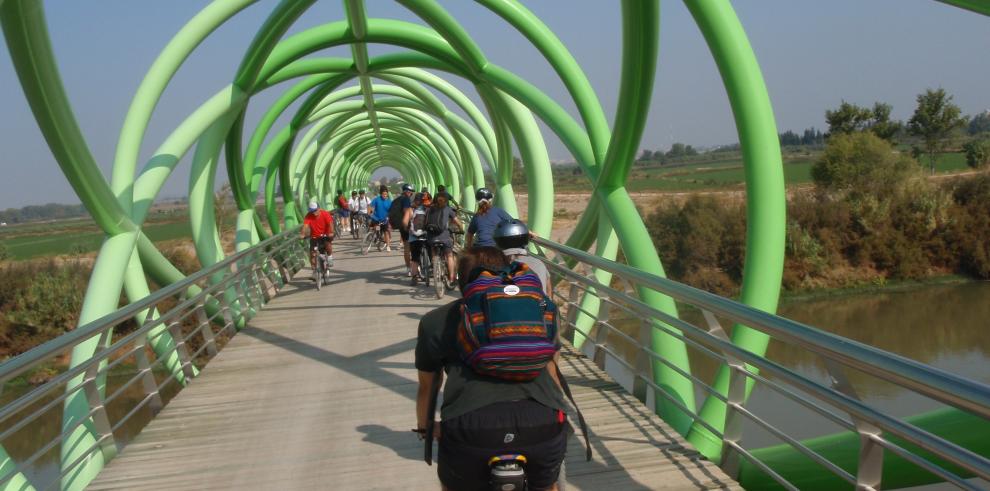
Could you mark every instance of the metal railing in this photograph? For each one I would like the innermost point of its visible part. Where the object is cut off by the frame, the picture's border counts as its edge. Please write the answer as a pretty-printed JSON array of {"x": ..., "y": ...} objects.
[
  {"x": 837, "y": 402},
  {"x": 197, "y": 316}
]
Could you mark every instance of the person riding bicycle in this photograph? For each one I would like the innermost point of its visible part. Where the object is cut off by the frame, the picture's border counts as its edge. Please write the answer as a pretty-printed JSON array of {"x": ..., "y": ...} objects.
[
  {"x": 399, "y": 218},
  {"x": 352, "y": 205},
  {"x": 417, "y": 233},
  {"x": 483, "y": 224},
  {"x": 512, "y": 236},
  {"x": 379, "y": 214},
  {"x": 441, "y": 189},
  {"x": 321, "y": 232},
  {"x": 482, "y": 416},
  {"x": 438, "y": 221},
  {"x": 343, "y": 210}
]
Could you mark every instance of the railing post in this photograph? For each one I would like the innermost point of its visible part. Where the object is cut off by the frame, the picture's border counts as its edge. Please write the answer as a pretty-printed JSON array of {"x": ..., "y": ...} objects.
[
  {"x": 148, "y": 382},
  {"x": 642, "y": 364},
  {"x": 572, "y": 311},
  {"x": 181, "y": 349},
  {"x": 735, "y": 398},
  {"x": 869, "y": 472},
  {"x": 601, "y": 333},
  {"x": 101, "y": 421},
  {"x": 205, "y": 329}
]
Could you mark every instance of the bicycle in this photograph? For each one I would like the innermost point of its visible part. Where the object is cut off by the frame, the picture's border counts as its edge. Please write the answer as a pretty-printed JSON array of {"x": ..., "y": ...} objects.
[
  {"x": 360, "y": 226},
  {"x": 323, "y": 263},
  {"x": 441, "y": 274},
  {"x": 374, "y": 237},
  {"x": 425, "y": 264},
  {"x": 337, "y": 221}
]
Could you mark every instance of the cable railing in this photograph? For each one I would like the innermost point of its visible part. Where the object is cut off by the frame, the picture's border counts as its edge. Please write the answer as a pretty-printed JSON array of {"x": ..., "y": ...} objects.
[
  {"x": 186, "y": 324},
  {"x": 836, "y": 401}
]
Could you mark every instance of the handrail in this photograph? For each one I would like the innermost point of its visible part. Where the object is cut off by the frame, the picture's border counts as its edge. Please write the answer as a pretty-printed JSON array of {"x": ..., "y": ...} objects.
[
  {"x": 15, "y": 366},
  {"x": 216, "y": 308},
  {"x": 938, "y": 384},
  {"x": 953, "y": 390}
]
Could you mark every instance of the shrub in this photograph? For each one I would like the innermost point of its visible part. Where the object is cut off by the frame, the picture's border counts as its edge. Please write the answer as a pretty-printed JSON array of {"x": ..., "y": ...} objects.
[
  {"x": 977, "y": 153},
  {"x": 862, "y": 163},
  {"x": 969, "y": 232}
]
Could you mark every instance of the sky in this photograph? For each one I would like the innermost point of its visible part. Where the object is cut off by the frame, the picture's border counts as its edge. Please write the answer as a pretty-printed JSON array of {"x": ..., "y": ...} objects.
[{"x": 813, "y": 56}]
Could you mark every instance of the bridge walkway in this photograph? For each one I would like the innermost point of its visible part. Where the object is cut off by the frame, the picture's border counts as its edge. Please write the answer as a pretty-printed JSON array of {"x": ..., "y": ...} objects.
[{"x": 317, "y": 392}]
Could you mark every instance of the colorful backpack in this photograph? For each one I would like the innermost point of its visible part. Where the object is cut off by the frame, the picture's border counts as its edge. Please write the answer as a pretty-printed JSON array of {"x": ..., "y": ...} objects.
[{"x": 508, "y": 326}]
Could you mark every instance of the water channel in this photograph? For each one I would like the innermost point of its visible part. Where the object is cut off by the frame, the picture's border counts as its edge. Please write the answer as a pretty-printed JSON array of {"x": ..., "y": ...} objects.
[{"x": 943, "y": 325}]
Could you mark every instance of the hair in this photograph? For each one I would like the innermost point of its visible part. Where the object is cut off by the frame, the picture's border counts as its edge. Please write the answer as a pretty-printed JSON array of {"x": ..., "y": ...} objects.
[
  {"x": 382, "y": 189},
  {"x": 475, "y": 257},
  {"x": 483, "y": 207},
  {"x": 440, "y": 201}
]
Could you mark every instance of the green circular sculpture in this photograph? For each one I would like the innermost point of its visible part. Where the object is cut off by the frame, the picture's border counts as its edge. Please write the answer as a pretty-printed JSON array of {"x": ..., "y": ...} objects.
[{"x": 361, "y": 113}]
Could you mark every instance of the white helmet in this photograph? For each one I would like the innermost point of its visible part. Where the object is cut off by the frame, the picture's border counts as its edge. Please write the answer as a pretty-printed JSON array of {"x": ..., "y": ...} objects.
[{"x": 313, "y": 206}]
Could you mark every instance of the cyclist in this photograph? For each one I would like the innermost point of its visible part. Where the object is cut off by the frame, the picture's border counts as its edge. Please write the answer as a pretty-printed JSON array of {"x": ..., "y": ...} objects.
[
  {"x": 379, "y": 214},
  {"x": 482, "y": 416},
  {"x": 402, "y": 214},
  {"x": 352, "y": 205},
  {"x": 441, "y": 189},
  {"x": 438, "y": 221},
  {"x": 483, "y": 223},
  {"x": 343, "y": 210},
  {"x": 512, "y": 236},
  {"x": 321, "y": 232},
  {"x": 417, "y": 234}
]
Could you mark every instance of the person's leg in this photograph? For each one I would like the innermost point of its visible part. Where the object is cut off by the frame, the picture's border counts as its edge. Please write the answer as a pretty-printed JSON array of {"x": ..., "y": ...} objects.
[
  {"x": 387, "y": 233},
  {"x": 451, "y": 264}
]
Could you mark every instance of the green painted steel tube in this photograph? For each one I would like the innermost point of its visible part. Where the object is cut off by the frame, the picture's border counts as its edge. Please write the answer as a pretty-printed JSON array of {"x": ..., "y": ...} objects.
[
  {"x": 765, "y": 199},
  {"x": 842, "y": 449}
]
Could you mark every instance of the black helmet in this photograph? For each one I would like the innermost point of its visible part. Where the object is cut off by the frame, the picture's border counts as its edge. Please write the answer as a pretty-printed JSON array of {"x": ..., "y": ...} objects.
[
  {"x": 511, "y": 234},
  {"x": 407, "y": 187},
  {"x": 484, "y": 193}
]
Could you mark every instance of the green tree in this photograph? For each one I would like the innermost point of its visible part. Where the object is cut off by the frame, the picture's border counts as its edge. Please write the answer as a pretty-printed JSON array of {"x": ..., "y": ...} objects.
[
  {"x": 862, "y": 163},
  {"x": 848, "y": 118},
  {"x": 979, "y": 124},
  {"x": 518, "y": 172},
  {"x": 647, "y": 155},
  {"x": 977, "y": 153},
  {"x": 880, "y": 123},
  {"x": 4, "y": 252},
  {"x": 934, "y": 119},
  {"x": 677, "y": 150}
]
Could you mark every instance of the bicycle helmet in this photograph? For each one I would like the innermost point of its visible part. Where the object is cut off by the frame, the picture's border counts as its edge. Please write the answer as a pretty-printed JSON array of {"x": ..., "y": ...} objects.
[
  {"x": 313, "y": 206},
  {"x": 484, "y": 194},
  {"x": 408, "y": 188},
  {"x": 511, "y": 234}
]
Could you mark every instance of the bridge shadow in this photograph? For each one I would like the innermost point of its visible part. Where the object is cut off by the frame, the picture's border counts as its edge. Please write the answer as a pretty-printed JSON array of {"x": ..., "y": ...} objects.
[{"x": 401, "y": 442}]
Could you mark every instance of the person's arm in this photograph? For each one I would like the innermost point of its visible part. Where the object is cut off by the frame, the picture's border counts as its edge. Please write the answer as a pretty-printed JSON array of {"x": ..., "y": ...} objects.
[
  {"x": 423, "y": 394},
  {"x": 472, "y": 228},
  {"x": 407, "y": 217}
]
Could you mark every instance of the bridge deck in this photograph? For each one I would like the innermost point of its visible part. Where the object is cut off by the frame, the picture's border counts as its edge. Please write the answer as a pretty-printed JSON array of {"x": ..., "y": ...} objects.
[{"x": 317, "y": 393}]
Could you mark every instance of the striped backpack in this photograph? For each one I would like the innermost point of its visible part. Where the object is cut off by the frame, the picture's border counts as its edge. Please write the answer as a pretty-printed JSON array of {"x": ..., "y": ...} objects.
[{"x": 508, "y": 326}]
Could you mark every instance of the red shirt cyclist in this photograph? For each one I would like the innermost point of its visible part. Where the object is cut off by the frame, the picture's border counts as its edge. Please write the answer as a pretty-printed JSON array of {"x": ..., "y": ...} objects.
[{"x": 321, "y": 232}]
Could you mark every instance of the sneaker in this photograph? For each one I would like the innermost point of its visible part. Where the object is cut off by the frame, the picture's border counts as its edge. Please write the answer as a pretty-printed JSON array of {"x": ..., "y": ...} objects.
[
  {"x": 388, "y": 248},
  {"x": 412, "y": 282},
  {"x": 408, "y": 271}
]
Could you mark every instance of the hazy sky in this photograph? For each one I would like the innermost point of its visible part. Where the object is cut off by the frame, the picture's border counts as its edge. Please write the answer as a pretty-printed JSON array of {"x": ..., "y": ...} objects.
[{"x": 813, "y": 55}]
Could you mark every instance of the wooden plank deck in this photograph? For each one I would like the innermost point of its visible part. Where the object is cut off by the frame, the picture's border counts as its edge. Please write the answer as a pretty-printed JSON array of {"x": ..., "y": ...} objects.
[{"x": 317, "y": 393}]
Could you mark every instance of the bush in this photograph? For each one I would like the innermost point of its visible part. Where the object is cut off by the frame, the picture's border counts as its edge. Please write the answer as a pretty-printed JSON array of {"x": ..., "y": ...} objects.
[
  {"x": 977, "y": 153},
  {"x": 39, "y": 301},
  {"x": 862, "y": 163},
  {"x": 969, "y": 232}
]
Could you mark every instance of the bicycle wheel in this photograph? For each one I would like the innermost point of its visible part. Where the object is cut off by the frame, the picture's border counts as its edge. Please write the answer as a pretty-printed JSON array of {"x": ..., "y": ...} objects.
[
  {"x": 439, "y": 271},
  {"x": 425, "y": 264},
  {"x": 319, "y": 272},
  {"x": 369, "y": 240}
]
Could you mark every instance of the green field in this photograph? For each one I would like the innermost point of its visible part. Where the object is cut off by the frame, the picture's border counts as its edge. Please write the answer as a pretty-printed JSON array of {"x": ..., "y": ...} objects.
[{"x": 76, "y": 236}]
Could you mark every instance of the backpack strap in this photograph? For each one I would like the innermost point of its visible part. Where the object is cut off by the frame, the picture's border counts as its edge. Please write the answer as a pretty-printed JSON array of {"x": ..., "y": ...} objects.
[{"x": 584, "y": 427}]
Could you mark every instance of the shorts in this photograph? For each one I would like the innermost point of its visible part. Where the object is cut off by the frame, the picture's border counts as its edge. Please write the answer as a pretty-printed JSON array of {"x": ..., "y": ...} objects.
[
  {"x": 527, "y": 427},
  {"x": 344, "y": 213},
  {"x": 443, "y": 246},
  {"x": 315, "y": 242},
  {"x": 416, "y": 248}
]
